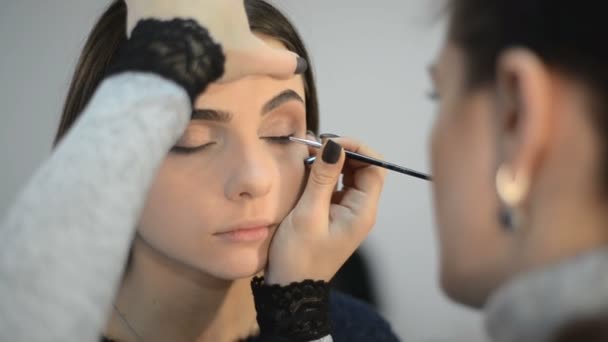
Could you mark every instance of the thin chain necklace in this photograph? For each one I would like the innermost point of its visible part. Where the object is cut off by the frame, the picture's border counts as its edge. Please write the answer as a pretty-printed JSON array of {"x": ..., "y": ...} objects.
[
  {"x": 124, "y": 320},
  {"x": 254, "y": 329}
]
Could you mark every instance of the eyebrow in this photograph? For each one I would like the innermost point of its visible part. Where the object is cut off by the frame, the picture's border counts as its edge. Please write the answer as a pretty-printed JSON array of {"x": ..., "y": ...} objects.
[
  {"x": 221, "y": 116},
  {"x": 277, "y": 101},
  {"x": 211, "y": 115}
]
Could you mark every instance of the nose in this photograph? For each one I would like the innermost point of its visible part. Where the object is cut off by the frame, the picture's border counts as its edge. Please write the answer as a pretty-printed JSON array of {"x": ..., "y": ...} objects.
[{"x": 251, "y": 172}]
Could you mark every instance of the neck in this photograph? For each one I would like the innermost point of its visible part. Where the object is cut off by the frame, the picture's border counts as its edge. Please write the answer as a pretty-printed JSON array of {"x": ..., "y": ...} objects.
[
  {"x": 566, "y": 213},
  {"x": 164, "y": 300},
  {"x": 562, "y": 230}
]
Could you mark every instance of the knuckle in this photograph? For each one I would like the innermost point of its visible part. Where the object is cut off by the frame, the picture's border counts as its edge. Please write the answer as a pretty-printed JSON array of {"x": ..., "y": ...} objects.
[
  {"x": 368, "y": 219},
  {"x": 368, "y": 222},
  {"x": 322, "y": 178},
  {"x": 377, "y": 175}
]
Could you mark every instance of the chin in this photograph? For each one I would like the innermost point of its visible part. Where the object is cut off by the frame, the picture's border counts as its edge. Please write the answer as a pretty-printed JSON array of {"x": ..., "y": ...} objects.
[
  {"x": 466, "y": 288},
  {"x": 238, "y": 264}
]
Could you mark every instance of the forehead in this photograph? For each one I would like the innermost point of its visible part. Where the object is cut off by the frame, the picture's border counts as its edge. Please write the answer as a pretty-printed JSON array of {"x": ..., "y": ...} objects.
[
  {"x": 252, "y": 90},
  {"x": 449, "y": 62}
]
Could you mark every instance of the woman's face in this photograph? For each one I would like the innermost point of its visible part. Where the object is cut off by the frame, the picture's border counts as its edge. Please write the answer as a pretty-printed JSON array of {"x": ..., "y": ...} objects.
[
  {"x": 221, "y": 193},
  {"x": 534, "y": 118},
  {"x": 474, "y": 249}
]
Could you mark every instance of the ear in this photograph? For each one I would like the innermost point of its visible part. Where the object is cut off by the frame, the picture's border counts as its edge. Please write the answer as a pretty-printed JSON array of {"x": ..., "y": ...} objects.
[{"x": 525, "y": 110}]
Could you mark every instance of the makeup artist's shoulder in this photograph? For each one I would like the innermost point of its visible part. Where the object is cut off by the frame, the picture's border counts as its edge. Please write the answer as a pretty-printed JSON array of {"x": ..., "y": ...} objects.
[{"x": 356, "y": 321}]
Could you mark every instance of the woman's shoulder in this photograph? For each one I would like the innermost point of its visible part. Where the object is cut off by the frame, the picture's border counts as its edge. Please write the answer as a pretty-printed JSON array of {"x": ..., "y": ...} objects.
[{"x": 354, "y": 321}]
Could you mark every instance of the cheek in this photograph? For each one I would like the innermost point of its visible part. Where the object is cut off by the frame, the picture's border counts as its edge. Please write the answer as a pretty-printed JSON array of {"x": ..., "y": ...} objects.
[
  {"x": 471, "y": 243},
  {"x": 292, "y": 174},
  {"x": 462, "y": 186},
  {"x": 461, "y": 165},
  {"x": 448, "y": 168},
  {"x": 176, "y": 199}
]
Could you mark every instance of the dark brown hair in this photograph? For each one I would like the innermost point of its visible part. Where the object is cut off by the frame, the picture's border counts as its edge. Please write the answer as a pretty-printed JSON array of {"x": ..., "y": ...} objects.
[
  {"x": 109, "y": 33},
  {"x": 569, "y": 36}
]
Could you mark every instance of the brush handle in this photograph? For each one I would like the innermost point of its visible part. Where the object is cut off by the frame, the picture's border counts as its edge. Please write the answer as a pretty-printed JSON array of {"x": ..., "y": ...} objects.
[
  {"x": 365, "y": 159},
  {"x": 386, "y": 165}
]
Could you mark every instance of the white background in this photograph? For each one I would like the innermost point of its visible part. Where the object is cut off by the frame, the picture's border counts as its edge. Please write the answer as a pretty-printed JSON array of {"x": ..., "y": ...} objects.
[{"x": 370, "y": 58}]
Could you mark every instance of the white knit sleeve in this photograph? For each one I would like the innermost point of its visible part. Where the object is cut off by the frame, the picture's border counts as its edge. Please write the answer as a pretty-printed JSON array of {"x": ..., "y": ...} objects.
[{"x": 64, "y": 242}]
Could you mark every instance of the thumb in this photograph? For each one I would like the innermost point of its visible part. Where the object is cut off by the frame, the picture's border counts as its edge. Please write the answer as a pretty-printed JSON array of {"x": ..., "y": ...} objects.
[
  {"x": 322, "y": 180},
  {"x": 264, "y": 59}
]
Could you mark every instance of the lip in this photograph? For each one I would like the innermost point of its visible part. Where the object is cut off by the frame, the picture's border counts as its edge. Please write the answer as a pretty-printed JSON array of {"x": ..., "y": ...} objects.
[{"x": 247, "y": 231}]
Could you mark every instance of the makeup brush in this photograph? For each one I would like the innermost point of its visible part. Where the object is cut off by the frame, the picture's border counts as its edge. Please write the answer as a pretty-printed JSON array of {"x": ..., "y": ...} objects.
[{"x": 365, "y": 159}]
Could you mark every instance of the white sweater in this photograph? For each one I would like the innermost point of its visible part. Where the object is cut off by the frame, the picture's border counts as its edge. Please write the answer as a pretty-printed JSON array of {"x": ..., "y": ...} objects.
[{"x": 66, "y": 239}]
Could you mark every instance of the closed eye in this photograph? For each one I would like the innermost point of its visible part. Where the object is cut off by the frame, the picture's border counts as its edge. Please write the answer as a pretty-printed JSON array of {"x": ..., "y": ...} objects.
[
  {"x": 189, "y": 150},
  {"x": 281, "y": 140}
]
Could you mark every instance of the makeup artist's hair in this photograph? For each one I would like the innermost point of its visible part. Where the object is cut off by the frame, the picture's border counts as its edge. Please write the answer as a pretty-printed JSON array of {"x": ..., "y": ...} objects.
[
  {"x": 568, "y": 36},
  {"x": 110, "y": 32}
]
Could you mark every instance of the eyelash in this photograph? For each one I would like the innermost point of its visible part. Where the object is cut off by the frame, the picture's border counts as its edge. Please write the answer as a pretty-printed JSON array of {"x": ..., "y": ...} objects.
[
  {"x": 280, "y": 140},
  {"x": 433, "y": 95},
  {"x": 189, "y": 150}
]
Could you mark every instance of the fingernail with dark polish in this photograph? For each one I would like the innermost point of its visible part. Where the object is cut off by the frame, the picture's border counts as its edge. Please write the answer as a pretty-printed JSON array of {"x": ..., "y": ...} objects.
[
  {"x": 328, "y": 135},
  {"x": 332, "y": 152},
  {"x": 302, "y": 66}
]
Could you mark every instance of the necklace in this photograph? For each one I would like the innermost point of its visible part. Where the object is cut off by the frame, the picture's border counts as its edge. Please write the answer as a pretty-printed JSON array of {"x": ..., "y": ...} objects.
[
  {"x": 253, "y": 330},
  {"x": 124, "y": 320}
]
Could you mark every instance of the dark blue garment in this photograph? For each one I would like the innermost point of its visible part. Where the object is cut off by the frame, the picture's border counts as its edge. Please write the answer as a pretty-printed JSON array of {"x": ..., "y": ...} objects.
[
  {"x": 355, "y": 321},
  {"x": 352, "y": 321}
]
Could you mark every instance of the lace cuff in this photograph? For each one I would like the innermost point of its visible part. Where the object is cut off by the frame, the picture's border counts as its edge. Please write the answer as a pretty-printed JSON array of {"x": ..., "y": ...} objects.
[
  {"x": 179, "y": 50},
  {"x": 297, "y": 312}
]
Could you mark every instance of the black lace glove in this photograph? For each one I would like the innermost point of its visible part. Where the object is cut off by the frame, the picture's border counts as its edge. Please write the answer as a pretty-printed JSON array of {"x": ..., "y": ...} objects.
[
  {"x": 179, "y": 50},
  {"x": 297, "y": 312}
]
